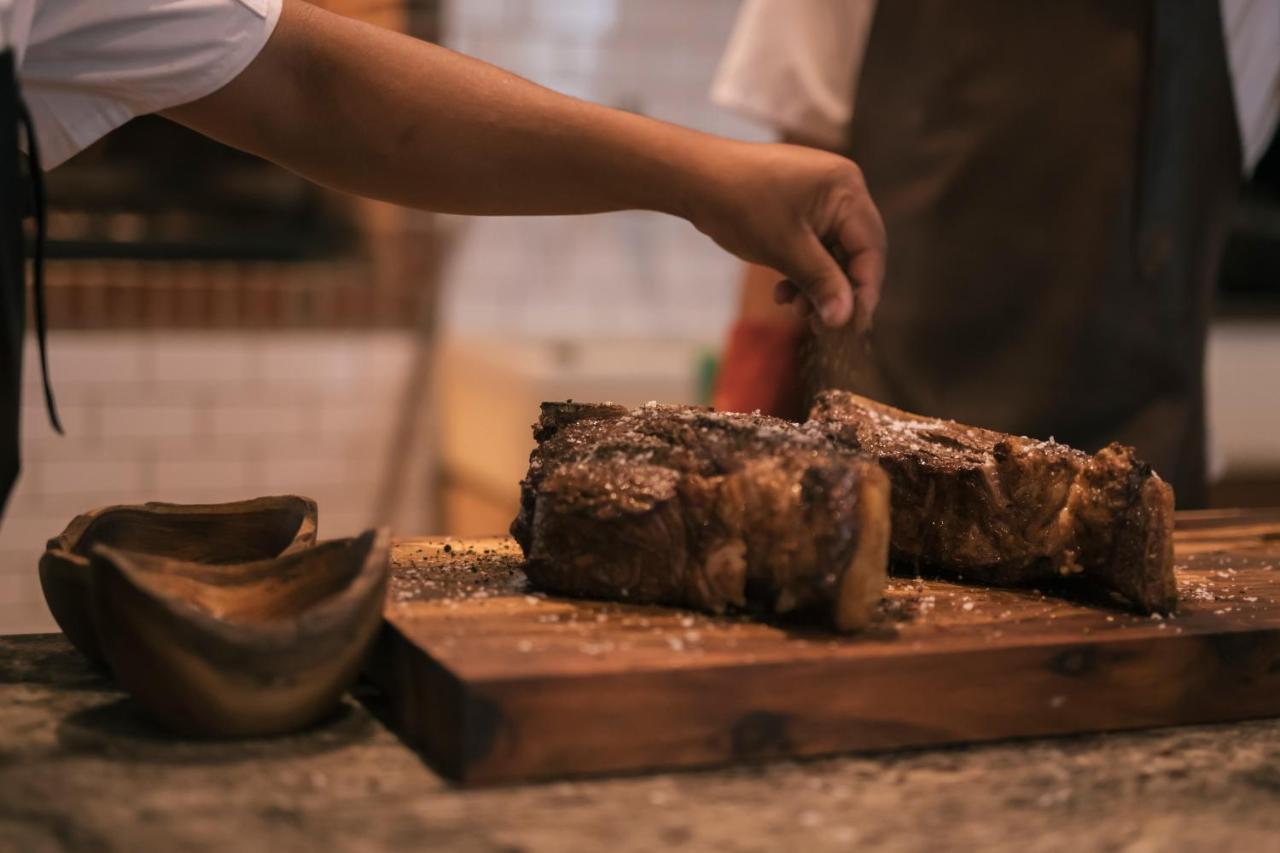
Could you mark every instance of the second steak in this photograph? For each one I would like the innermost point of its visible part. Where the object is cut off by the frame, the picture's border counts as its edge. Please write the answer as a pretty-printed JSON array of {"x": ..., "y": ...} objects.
[{"x": 1001, "y": 509}]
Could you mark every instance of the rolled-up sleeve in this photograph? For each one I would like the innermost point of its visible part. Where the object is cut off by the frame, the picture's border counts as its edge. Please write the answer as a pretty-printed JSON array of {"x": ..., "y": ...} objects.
[
  {"x": 89, "y": 66},
  {"x": 793, "y": 64}
]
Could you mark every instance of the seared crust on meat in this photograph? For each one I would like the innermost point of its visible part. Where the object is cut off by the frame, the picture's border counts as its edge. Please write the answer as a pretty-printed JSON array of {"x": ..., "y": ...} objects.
[
  {"x": 1006, "y": 510},
  {"x": 683, "y": 506}
]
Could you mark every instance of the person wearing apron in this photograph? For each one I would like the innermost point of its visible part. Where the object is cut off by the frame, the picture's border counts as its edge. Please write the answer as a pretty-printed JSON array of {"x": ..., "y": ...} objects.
[{"x": 1056, "y": 181}]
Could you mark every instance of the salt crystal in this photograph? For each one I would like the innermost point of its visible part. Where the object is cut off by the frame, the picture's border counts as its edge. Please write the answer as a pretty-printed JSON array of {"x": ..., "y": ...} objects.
[
  {"x": 968, "y": 605},
  {"x": 675, "y": 643}
]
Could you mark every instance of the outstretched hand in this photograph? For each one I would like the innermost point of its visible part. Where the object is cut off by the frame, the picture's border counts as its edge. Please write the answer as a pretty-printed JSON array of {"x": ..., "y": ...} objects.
[
  {"x": 383, "y": 115},
  {"x": 805, "y": 213}
]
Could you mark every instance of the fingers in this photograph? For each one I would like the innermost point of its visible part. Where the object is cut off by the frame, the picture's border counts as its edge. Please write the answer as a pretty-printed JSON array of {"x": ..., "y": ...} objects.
[
  {"x": 842, "y": 281},
  {"x": 867, "y": 266},
  {"x": 786, "y": 293},
  {"x": 862, "y": 236},
  {"x": 867, "y": 270},
  {"x": 828, "y": 243},
  {"x": 824, "y": 285}
]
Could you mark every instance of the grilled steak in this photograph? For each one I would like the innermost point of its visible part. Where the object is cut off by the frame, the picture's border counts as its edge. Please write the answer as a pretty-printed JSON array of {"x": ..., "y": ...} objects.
[
  {"x": 999, "y": 509},
  {"x": 683, "y": 506}
]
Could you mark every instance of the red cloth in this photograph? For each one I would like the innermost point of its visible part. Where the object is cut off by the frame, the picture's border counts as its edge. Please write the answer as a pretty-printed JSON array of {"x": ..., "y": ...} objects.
[{"x": 759, "y": 370}]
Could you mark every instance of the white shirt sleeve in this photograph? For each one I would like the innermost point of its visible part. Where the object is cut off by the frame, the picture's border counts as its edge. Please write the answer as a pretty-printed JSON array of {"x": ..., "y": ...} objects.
[
  {"x": 88, "y": 66},
  {"x": 794, "y": 64},
  {"x": 1253, "y": 49}
]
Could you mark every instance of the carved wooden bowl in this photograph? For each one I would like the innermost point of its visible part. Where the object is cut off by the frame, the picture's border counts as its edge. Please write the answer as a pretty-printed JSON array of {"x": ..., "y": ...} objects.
[
  {"x": 214, "y": 534},
  {"x": 240, "y": 650}
]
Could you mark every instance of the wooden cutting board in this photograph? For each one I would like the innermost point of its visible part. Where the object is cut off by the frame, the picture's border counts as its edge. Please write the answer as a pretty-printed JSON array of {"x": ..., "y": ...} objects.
[{"x": 495, "y": 683}]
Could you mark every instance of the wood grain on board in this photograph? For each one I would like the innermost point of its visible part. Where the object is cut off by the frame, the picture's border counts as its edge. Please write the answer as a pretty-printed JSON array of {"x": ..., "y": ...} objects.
[{"x": 497, "y": 683}]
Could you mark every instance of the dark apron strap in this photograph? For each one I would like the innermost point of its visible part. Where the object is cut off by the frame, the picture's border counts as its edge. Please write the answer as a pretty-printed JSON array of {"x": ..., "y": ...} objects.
[
  {"x": 12, "y": 292},
  {"x": 21, "y": 193},
  {"x": 34, "y": 196}
]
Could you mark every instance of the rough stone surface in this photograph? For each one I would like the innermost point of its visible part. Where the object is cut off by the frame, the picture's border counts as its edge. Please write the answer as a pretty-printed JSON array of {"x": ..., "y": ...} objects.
[{"x": 82, "y": 769}]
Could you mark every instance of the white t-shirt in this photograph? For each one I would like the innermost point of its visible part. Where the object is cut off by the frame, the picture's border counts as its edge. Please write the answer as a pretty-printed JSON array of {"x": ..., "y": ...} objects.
[
  {"x": 88, "y": 66},
  {"x": 793, "y": 64}
]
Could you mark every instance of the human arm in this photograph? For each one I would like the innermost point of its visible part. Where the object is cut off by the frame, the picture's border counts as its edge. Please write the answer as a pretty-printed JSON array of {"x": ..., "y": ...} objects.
[
  {"x": 760, "y": 364},
  {"x": 380, "y": 114},
  {"x": 793, "y": 65}
]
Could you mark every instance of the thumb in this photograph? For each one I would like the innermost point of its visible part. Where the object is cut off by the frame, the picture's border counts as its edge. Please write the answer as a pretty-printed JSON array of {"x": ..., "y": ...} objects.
[{"x": 815, "y": 273}]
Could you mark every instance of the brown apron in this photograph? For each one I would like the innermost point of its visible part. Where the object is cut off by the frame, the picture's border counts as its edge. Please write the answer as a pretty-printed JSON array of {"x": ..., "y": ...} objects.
[{"x": 1056, "y": 179}]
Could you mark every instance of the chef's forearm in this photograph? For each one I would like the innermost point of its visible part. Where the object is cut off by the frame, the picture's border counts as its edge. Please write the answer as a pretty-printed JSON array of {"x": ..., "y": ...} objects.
[
  {"x": 383, "y": 115},
  {"x": 376, "y": 113}
]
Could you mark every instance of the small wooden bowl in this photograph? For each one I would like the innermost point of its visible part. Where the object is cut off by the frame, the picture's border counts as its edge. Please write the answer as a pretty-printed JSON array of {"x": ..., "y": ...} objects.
[
  {"x": 240, "y": 650},
  {"x": 215, "y": 534}
]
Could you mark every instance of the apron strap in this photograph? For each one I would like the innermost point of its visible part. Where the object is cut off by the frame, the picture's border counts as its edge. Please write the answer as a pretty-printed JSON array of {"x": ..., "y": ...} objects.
[
  {"x": 36, "y": 198},
  {"x": 12, "y": 292}
]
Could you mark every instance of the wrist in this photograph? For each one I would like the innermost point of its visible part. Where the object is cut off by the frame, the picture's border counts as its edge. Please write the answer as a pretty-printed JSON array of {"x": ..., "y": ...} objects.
[{"x": 696, "y": 181}]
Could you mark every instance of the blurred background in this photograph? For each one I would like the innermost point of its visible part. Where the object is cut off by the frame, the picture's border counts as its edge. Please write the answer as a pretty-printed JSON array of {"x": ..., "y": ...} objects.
[{"x": 230, "y": 331}]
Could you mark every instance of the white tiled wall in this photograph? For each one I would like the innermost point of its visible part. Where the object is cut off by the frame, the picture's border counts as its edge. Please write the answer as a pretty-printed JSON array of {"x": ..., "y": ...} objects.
[
  {"x": 200, "y": 417},
  {"x": 1243, "y": 361},
  {"x": 631, "y": 274}
]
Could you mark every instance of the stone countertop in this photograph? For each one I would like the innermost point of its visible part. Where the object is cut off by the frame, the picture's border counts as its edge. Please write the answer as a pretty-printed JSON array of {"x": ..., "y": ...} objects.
[{"x": 82, "y": 769}]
